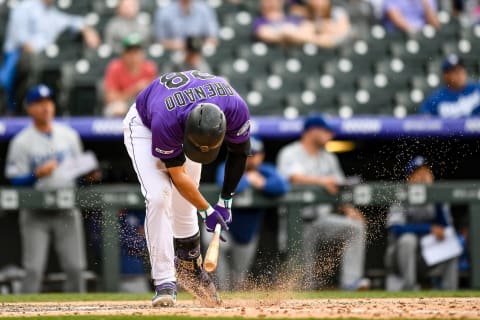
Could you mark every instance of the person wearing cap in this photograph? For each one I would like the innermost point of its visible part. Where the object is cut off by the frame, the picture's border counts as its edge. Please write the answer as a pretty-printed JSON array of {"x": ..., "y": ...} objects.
[
  {"x": 458, "y": 97},
  {"x": 32, "y": 26},
  {"x": 126, "y": 76},
  {"x": 236, "y": 257},
  {"x": 178, "y": 123},
  {"x": 406, "y": 225},
  {"x": 125, "y": 22},
  {"x": 33, "y": 159},
  {"x": 306, "y": 162},
  {"x": 410, "y": 16}
]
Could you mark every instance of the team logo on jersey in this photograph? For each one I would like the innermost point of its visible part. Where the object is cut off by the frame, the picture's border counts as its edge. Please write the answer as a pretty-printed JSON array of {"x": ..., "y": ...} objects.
[
  {"x": 244, "y": 128},
  {"x": 163, "y": 151}
]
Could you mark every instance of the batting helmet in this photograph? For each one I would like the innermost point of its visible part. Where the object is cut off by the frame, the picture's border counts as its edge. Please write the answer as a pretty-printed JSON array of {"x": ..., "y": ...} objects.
[{"x": 204, "y": 133}]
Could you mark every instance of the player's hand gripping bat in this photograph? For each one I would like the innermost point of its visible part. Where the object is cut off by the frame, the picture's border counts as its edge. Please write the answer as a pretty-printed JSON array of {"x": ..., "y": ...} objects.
[{"x": 211, "y": 257}]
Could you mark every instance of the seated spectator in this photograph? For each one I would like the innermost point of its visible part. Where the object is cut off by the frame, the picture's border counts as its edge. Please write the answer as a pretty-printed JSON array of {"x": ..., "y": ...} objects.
[
  {"x": 458, "y": 97},
  {"x": 126, "y": 76},
  {"x": 406, "y": 225},
  {"x": 33, "y": 25},
  {"x": 183, "y": 18},
  {"x": 306, "y": 162},
  {"x": 329, "y": 25},
  {"x": 410, "y": 16},
  {"x": 124, "y": 24},
  {"x": 192, "y": 58},
  {"x": 237, "y": 254},
  {"x": 273, "y": 26}
]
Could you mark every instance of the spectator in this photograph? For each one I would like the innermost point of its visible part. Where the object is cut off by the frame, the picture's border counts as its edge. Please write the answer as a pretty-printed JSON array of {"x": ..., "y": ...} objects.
[
  {"x": 124, "y": 24},
  {"x": 410, "y": 16},
  {"x": 183, "y": 18},
  {"x": 273, "y": 26},
  {"x": 192, "y": 58},
  {"x": 406, "y": 224},
  {"x": 126, "y": 76},
  {"x": 236, "y": 256},
  {"x": 329, "y": 25},
  {"x": 458, "y": 97},
  {"x": 35, "y": 157},
  {"x": 33, "y": 25},
  {"x": 306, "y": 162}
]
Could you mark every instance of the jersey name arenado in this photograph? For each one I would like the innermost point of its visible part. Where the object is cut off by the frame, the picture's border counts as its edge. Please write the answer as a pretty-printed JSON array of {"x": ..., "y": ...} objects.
[{"x": 165, "y": 104}]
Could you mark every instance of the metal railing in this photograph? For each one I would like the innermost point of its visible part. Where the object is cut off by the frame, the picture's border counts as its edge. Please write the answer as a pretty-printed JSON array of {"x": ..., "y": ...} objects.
[{"x": 111, "y": 198}]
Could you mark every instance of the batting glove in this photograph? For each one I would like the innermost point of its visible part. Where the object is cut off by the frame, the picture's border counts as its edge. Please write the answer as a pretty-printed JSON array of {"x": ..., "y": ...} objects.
[
  {"x": 211, "y": 217},
  {"x": 224, "y": 206}
]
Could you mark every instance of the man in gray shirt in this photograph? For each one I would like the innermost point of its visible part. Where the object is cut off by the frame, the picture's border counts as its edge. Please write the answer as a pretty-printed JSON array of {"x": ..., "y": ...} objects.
[
  {"x": 33, "y": 159},
  {"x": 306, "y": 162}
]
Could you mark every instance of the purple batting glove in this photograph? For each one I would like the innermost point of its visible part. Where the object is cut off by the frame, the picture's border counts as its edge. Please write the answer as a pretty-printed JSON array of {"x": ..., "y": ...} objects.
[
  {"x": 224, "y": 206},
  {"x": 211, "y": 217}
]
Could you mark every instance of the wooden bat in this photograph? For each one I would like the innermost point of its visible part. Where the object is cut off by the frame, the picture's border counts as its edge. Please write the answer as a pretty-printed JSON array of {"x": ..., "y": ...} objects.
[{"x": 211, "y": 257}]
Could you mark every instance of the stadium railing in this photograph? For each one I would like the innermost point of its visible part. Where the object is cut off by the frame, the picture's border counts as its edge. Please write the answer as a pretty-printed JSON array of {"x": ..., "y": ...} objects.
[{"x": 110, "y": 199}]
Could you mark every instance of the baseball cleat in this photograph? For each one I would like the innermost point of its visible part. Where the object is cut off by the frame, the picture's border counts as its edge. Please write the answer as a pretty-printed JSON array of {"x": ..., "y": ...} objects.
[{"x": 165, "y": 295}]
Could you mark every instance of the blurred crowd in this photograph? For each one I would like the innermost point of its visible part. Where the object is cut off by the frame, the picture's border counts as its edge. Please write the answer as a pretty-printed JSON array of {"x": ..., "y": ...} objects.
[{"x": 139, "y": 40}]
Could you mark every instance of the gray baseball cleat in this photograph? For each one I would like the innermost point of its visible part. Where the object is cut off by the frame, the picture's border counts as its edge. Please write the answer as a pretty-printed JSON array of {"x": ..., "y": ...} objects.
[{"x": 165, "y": 295}]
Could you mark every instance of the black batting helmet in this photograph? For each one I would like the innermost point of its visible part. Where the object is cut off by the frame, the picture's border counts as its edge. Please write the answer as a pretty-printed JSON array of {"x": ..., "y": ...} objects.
[{"x": 204, "y": 133}]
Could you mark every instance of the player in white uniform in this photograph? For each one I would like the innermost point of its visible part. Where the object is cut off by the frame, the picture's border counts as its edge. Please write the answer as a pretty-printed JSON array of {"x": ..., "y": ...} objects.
[{"x": 33, "y": 157}]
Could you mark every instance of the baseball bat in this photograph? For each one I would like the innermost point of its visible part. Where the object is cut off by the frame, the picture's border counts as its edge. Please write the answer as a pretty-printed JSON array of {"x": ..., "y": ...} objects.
[{"x": 211, "y": 257}]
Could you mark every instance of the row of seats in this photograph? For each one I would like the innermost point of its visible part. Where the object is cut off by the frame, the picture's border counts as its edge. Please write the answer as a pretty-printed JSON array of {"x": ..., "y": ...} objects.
[{"x": 375, "y": 72}]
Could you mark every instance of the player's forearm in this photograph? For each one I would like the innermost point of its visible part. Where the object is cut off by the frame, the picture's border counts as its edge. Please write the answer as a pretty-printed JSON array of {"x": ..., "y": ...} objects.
[
  {"x": 189, "y": 190},
  {"x": 234, "y": 167}
]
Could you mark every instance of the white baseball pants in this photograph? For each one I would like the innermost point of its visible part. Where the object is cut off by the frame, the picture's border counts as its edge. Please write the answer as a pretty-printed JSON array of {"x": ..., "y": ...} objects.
[{"x": 168, "y": 214}]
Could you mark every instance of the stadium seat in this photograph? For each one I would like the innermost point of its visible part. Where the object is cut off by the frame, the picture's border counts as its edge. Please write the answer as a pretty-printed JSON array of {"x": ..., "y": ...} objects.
[
  {"x": 263, "y": 104},
  {"x": 76, "y": 7},
  {"x": 308, "y": 101},
  {"x": 347, "y": 70},
  {"x": 365, "y": 102},
  {"x": 407, "y": 100}
]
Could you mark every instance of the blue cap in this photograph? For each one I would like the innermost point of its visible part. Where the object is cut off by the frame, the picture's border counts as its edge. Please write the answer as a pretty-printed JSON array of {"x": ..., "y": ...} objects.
[
  {"x": 256, "y": 145},
  {"x": 316, "y": 121},
  {"x": 414, "y": 164},
  {"x": 451, "y": 62},
  {"x": 38, "y": 93}
]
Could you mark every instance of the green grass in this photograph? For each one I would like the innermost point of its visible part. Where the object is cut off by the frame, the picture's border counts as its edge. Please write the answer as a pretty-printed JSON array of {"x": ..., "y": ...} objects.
[{"x": 61, "y": 297}]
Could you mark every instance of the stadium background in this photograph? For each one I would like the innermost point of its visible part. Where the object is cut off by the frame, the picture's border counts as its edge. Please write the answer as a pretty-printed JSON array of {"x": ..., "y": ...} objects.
[{"x": 342, "y": 82}]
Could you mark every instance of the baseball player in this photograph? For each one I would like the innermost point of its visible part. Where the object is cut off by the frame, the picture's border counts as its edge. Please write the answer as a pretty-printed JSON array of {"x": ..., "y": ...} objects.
[
  {"x": 177, "y": 124},
  {"x": 33, "y": 159}
]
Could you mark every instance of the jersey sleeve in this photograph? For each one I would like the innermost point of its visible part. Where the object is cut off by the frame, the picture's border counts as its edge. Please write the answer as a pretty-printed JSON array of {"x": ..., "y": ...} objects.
[
  {"x": 167, "y": 141},
  {"x": 238, "y": 122},
  {"x": 18, "y": 162},
  {"x": 429, "y": 105}
]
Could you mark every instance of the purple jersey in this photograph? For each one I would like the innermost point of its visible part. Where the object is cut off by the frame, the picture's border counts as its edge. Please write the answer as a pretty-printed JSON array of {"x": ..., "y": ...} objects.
[{"x": 165, "y": 104}]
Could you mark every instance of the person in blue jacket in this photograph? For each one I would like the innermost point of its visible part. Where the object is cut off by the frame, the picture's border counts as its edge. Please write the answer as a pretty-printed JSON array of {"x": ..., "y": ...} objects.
[
  {"x": 406, "y": 225},
  {"x": 458, "y": 97},
  {"x": 237, "y": 254}
]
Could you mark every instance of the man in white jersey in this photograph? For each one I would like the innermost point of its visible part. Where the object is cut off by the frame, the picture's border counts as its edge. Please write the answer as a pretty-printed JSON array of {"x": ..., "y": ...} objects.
[{"x": 33, "y": 157}]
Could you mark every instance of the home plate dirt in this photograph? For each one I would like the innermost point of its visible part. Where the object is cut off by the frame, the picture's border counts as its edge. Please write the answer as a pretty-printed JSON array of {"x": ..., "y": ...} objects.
[{"x": 438, "y": 308}]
